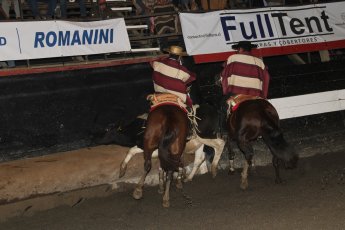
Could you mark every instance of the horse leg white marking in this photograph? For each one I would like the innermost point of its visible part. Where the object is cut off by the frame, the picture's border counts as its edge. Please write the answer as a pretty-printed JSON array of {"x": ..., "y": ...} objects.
[
  {"x": 232, "y": 167},
  {"x": 231, "y": 155},
  {"x": 199, "y": 158},
  {"x": 161, "y": 181},
  {"x": 138, "y": 191},
  {"x": 218, "y": 150},
  {"x": 179, "y": 178},
  {"x": 166, "y": 203},
  {"x": 155, "y": 154},
  {"x": 244, "y": 176},
  {"x": 131, "y": 153},
  {"x": 253, "y": 167}
]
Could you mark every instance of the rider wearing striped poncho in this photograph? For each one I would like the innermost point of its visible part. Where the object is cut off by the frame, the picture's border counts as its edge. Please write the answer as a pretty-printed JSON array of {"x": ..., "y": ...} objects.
[
  {"x": 170, "y": 76},
  {"x": 245, "y": 73}
]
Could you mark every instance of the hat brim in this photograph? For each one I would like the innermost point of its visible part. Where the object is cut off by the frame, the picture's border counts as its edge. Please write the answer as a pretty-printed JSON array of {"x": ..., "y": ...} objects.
[
  {"x": 237, "y": 46},
  {"x": 166, "y": 50}
]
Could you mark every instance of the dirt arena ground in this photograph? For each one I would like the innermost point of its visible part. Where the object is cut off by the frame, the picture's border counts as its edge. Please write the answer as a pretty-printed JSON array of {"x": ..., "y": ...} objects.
[{"x": 312, "y": 197}]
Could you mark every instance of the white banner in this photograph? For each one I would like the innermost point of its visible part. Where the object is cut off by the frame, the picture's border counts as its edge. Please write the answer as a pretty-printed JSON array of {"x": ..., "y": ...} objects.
[
  {"x": 44, "y": 39},
  {"x": 278, "y": 27}
]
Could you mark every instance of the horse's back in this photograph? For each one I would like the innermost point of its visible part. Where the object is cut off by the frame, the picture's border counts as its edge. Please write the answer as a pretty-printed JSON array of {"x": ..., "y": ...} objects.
[{"x": 166, "y": 130}]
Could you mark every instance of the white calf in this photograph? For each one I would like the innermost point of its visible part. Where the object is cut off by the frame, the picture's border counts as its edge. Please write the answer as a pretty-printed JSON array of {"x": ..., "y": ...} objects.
[{"x": 195, "y": 145}]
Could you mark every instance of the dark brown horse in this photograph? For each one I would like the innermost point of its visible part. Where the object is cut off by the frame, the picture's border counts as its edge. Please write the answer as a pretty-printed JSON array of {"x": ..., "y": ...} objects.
[
  {"x": 166, "y": 130},
  {"x": 258, "y": 118}
]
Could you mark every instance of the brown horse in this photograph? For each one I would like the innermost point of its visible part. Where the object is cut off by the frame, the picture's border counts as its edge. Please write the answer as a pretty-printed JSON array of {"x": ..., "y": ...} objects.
[
  {"x": 258, "y": 118},
  {"x": 167, "y": 128}
]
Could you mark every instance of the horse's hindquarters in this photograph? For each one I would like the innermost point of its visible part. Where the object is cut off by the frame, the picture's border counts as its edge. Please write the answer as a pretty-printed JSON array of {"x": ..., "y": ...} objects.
[{"x": 166, "y": 130}]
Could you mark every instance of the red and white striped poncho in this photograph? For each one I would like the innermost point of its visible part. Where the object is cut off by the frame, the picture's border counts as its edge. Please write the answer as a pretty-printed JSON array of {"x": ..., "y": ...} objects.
[
  {"x": 245, "y": 74},
  {"x": 169, "y": 76}
]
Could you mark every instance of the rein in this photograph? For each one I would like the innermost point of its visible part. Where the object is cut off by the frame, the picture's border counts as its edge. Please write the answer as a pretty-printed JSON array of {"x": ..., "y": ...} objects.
[{"x": 193, "y": 118}]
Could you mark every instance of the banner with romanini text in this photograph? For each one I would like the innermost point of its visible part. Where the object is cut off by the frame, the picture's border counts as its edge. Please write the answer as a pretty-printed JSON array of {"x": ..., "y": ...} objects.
[{"x": 45, "y": 39}]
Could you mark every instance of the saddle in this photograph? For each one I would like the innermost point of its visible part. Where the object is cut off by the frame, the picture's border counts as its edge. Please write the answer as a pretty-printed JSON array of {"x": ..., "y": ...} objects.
[
  {"x": 234, "y": 101},
  {"x": 158, "y": 99}
]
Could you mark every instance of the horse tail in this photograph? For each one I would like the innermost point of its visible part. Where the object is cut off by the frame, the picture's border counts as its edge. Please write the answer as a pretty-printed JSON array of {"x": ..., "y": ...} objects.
[
  {"x": 164, "y": 152},
  {"x": 274, "y": 138}
]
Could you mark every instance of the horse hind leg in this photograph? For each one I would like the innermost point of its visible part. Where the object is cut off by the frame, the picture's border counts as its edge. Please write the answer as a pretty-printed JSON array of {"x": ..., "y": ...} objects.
[
  {"x": 161, "y": 181},
  {"x": 130, "y": 154},
  {"x": 244, "y": 176},
  {"x": 231, "y": 156},
  {"x": 179, "y": 178},
  {"x": 166, "y": 202},
  {"x": 199, "y": 158},
  {"x": 248, "y": 151},
  {"x": 218, "y": 150},
  {"x": 276, "y": 165},
  {"x": 138, "y": 191}
]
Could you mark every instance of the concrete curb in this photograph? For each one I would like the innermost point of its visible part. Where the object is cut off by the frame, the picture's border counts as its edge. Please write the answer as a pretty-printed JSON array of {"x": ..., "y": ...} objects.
[
  {"x": 67, "y": 171},
  {"x": 68, "y": 178},
  {"x": 60, "y": 172}
]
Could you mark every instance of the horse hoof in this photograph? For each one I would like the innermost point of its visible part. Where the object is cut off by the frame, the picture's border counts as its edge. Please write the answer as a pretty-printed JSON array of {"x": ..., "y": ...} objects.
[
  {"x": 179, "y": 185},
  {"x": 187, "y": 180},
  {"x": 214, "y": 172},
  {"x": 122, "y": 171},
  {"x": 166, "y": 204},
  {"x": 137, "y": 194},
  {"x": 244, "y": 185}
]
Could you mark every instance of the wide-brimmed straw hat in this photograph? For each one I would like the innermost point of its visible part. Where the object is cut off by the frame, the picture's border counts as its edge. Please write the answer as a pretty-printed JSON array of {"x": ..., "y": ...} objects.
[
  {"x": 245, "y": 45},
  {"x": 177, "y": 50}
]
